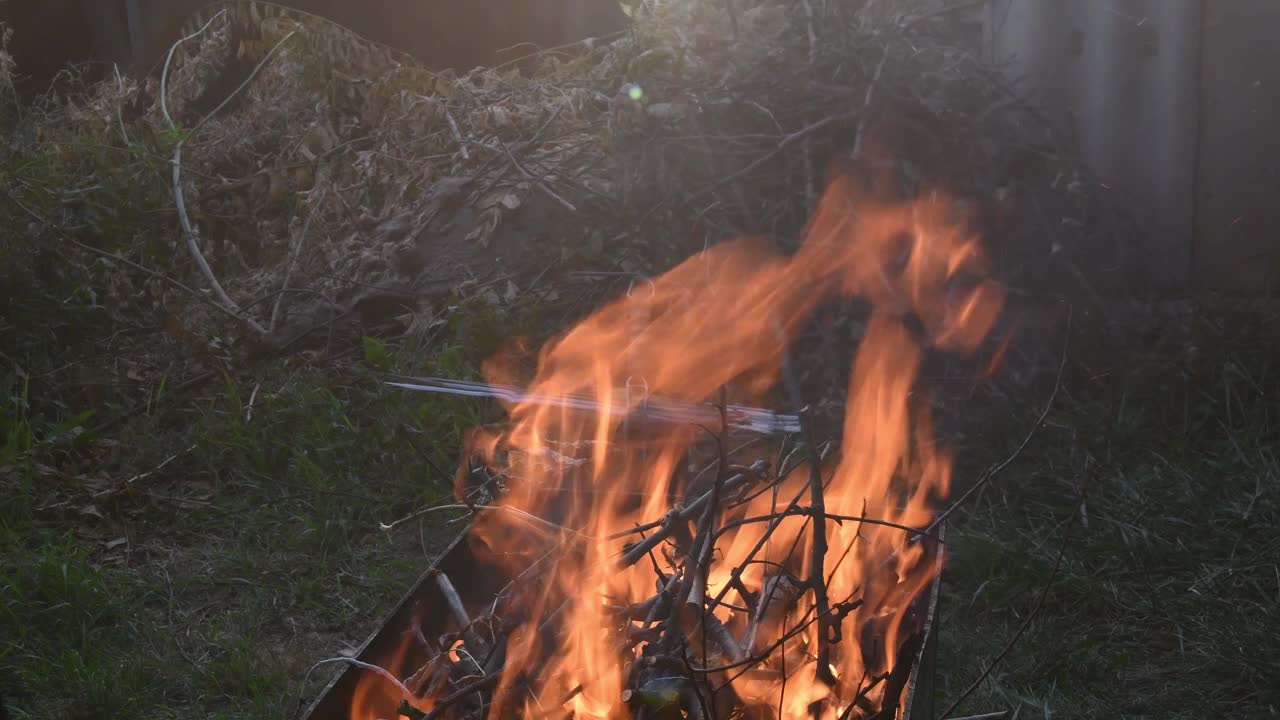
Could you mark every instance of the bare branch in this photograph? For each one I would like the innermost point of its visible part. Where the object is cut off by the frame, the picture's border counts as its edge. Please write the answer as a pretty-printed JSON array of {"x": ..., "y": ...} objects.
[{"x": 188, "y": 229}]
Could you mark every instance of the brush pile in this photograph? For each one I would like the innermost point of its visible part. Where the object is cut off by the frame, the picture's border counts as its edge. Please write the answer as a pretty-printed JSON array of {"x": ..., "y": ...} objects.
[{"x": 344, "y": 188}]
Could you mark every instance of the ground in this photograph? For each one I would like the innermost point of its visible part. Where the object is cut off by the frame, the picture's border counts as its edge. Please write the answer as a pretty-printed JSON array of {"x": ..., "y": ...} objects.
[
  {"x": 204, "y": 552},
  {"x": 1168, "y": 593}
]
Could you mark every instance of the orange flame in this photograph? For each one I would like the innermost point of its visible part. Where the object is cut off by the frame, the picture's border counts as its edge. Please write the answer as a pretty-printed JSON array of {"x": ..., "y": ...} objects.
[{"x": 725, "y": 317}]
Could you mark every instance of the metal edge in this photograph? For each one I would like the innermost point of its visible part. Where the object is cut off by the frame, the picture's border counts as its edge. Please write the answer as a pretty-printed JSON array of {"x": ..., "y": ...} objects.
[
  {"x": 924, "y": 666},
  {"x": 919, "y": 685},
  {"x": 405, "y": 603}
]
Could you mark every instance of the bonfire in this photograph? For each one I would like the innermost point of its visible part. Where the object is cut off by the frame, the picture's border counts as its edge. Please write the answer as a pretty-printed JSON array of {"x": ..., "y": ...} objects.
[{"x": 653, "y": 567}]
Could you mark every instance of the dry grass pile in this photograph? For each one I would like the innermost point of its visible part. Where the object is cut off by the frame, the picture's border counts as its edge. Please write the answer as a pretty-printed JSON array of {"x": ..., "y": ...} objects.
[{"x": 341, "y": 177}]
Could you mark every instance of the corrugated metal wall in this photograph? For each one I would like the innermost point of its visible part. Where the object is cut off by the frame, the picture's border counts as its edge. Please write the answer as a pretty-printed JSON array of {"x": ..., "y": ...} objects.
[
  {"x": 1121, "y": 78},
  {"x": 1238, "y": 205},
  {"x": 1174, "y": 105}
]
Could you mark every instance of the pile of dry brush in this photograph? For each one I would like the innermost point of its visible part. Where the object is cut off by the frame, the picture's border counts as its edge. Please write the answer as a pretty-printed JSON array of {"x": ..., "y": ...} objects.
[{"x": 340, "y": 182}]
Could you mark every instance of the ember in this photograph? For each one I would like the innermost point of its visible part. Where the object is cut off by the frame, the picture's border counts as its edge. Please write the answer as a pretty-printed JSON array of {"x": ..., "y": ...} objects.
[{"x": 653, "y": 571}]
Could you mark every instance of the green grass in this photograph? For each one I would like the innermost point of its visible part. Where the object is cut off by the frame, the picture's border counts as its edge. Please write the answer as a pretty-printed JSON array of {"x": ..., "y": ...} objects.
[
  {"x": 196, "y": 557},
  {"x": 210, "y": 584},
  {"x": 175, "y": 550},
  {"x": 1167, "y": 604}
]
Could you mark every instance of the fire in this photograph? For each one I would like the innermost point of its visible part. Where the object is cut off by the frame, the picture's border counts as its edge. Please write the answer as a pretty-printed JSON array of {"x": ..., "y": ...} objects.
[{"x": 725, "y": 318}]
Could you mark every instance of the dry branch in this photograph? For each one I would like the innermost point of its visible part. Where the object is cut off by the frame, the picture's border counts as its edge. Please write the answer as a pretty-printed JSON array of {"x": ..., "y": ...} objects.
[
  {"x": 188, "y": 230},
  {"x": 828, "y": 631},
  {"x": 996, "y": 469}
]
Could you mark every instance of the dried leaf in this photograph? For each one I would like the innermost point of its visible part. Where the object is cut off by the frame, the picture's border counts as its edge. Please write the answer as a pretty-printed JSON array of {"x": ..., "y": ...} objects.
[
  {"x": 485, "y": 227},
  {"x": 666, "y": 112},
  {"x": 319, "y": 140},
  {"x": 510, "y": 201}
]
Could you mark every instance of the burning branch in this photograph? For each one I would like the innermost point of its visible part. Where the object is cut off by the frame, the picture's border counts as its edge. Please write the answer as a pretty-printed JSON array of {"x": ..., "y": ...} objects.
[{"x": 828, "y": 632}]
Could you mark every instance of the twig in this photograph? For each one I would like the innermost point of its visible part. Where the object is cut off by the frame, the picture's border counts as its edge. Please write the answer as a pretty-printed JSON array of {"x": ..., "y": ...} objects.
[
  {"x": 188, "y": 230},
  {"x": 386, "y": 674},
  {"x": 764, "y": 604},
  {"x": 856, "y": 153},
  {"x": 707, "y": 620},
  {"x": 546, "y": 51},
  {"x": 230, "y": 312},
  {"x": 193, "y": 246},
  {"x": 806, "y": 621},
  {"x": 1026, "y": 622},
  {"x": 253, "y": 397},
  {"x": 168, "y": 61},
  {"x": 519, "y": 150},
  {"x": 786, "y": 141},
  {"x": 986, "y": 477},
  {"x": 457, "y": 134},
  {"x": 452, "y": 599},
  {"x": 828, "y": 631},
  {"x": 736, "y": 575},
  {"x": 897, "y": 679},
  {"x": 673, "y": 519},
  {"x": 475, "y": 686},
  {"x": 863, "y": 691},
  {"x": 527, "y": 516},
  {"x": 800, "y": 510},
  {"x": 293, "y": 260},
  {"x": 805, "y": 132},
  {"x": 718, "y": 632},
  {"x": 813, "y": 36},
  {"x": 240, "y": 88},
  {"x": 124, "y": 133},
  {"x": 148, "y": 473},
  {"x": 538, "y": 182}
]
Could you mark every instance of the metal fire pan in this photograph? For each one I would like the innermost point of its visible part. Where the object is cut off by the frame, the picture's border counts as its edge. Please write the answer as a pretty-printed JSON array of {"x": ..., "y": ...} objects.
[{"x": 478, "y": 588}]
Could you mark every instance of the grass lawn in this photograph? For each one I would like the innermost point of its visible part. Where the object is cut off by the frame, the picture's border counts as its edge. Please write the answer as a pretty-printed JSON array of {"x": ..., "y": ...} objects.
[
  {"x": 224, "y": 547},
  {"x": 1167, "y": 602}
]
